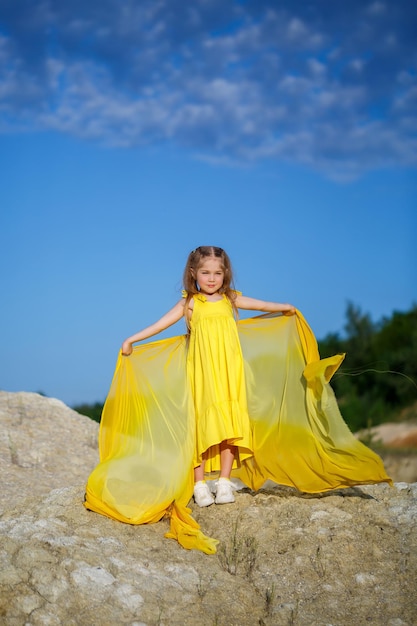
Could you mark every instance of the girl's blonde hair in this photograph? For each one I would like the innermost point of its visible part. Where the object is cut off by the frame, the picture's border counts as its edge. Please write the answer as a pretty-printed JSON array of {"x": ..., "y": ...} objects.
[{"x": 195, "y": 259}]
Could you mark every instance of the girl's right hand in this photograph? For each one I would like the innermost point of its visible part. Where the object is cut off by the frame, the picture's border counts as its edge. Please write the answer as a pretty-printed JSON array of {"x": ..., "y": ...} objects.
[{"x": 127, "y": 348}]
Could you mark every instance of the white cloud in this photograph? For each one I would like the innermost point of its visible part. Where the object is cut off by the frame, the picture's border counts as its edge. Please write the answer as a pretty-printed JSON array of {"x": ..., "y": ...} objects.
[
  {"x": 297, "y": 30},
  {"x": 357, "y": 64},
  {"x": 221, "y": 81},
  {"x": 317, "y": 68},
  {"x": 376, "y": 8}
]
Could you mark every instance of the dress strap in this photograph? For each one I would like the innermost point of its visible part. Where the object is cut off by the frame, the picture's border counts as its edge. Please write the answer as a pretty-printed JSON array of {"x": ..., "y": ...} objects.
[{"x": 196, "y": 296}]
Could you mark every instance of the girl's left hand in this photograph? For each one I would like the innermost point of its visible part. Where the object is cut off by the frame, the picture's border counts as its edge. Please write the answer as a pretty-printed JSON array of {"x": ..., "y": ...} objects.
[{"x": 289, "y": 309}]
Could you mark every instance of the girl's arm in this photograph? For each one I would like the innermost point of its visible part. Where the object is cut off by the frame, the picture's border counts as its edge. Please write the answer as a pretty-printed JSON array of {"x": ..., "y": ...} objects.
[
  {"x": 252, "y": 304},
  {"x": 167, "y": 320}
]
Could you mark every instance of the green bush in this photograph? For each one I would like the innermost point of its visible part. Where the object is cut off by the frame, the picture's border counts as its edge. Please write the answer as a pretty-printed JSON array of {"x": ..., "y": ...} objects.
[
  {"x": 379, "y": 375},
  {"x": 90, "y": 410}
]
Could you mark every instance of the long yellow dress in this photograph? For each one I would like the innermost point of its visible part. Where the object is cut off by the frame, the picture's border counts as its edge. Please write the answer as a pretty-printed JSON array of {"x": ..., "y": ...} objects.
[
  {"x": 217, "y": 383},
  {"x": 259, "y": 384}
]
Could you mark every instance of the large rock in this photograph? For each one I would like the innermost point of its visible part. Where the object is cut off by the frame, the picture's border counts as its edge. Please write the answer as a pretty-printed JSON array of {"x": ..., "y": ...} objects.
[
  {"x": 43, "y": 445},
  {"x": 346, "y": 559}
]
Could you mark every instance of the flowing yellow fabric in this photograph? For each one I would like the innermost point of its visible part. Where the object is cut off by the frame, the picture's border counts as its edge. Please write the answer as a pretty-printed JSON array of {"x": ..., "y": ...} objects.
[
  {"x": 299, "y": 436},
  {"x": 148, "y": 433},
  {"x": 146, "y": 444}
]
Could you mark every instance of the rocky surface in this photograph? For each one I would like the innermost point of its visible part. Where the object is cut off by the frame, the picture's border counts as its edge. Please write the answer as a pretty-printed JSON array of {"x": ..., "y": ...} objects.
[
  {"x": 403, "y": 435},
  {"x": 43, "y": 445},
  {"x": 398, "y": 446},
  {"x": 345, "y": 559}
]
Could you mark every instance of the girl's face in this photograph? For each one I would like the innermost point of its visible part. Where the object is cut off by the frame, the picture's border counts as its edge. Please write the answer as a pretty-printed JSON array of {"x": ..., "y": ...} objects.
[{"x": 210, "y": 276}]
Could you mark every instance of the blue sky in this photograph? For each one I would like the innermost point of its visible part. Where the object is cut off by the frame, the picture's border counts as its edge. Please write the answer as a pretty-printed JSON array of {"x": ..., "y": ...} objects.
[{"x": 132, "y": 132}]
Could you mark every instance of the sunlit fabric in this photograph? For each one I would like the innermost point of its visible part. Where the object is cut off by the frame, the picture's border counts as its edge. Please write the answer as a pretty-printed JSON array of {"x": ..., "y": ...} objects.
[
  {"x": 148, "y": 433},
  {"x": 299, "y": 436}
]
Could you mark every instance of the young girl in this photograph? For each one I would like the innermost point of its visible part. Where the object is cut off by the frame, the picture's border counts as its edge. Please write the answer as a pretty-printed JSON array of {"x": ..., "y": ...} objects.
[
  {"x": 215, "y": 366},
  {"x": 248, "y": 399}
]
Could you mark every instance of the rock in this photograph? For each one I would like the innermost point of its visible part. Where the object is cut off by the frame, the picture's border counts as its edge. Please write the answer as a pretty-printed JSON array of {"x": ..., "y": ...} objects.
[
  {"x": 397, "y": 445},
  {"x": 43, "y": 445},
  {"x": 402, "y": 466},
  {"x": 346, "y": 558},
  {"x": 393, "y": 435}
]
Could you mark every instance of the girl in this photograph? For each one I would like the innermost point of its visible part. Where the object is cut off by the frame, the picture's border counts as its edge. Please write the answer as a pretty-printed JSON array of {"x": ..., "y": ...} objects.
[
  {"x": 248, "y": 399},
  {"x": 215, "y": 366}
]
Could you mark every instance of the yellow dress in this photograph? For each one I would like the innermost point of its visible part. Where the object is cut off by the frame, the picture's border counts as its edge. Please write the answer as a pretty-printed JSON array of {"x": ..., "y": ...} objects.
[
  {"x": 217, "y": 383},
  {"x": 263, "y": 388}
]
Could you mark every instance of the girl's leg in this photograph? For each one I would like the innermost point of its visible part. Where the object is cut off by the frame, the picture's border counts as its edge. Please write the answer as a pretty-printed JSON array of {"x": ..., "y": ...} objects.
[
  {"x": 227, "y": 455},
  {"x": 224, "y": 492},
  {"x": 199, "y": 472},
  {"x": 202, "y": 493}
]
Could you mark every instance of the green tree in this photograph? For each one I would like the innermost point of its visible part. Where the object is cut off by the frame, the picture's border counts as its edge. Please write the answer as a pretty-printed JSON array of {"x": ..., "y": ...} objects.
[
  {"x": 379, "y": 375},
  {"x": 90, "y": 410}
]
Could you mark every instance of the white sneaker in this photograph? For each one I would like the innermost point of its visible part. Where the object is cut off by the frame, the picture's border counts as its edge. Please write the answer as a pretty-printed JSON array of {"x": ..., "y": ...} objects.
[
  {"x": 202, "y": 494},
  {"x": 224, "y": 493}
]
